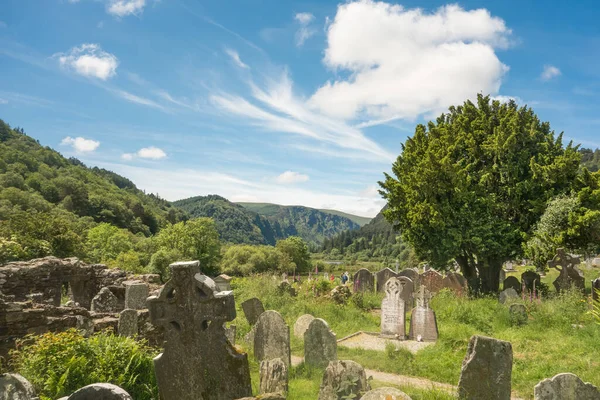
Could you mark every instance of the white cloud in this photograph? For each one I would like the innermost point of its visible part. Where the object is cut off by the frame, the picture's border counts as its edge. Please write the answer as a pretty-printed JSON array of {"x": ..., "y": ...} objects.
[
  {"x": 403, "y": 63},
  {"x": 127, "y": 156},
  {"x": 3, "y": 101},
  {"x": 289, "y": 177},
  {"x": 122, "y": 8},
  {"x": 89, "y": 60},
  {"x": 370, "y": 191},
  {"x": 236, "y": 58},
  {"x": 549, "y": 72},
  {"x": 150, "y": 153},
  {"x": 305, "y": 31},
  {"x": 80, "y": 145},
  {"x": 137, "y": 99}
]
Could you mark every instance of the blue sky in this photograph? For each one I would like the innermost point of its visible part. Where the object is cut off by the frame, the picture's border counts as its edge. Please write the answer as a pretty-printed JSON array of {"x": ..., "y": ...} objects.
[{"x": 303, "y": 102}]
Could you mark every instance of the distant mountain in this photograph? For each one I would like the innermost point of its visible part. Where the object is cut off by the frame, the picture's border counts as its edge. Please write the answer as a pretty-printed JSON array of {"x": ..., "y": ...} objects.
[{"x": 261, "y": 223}]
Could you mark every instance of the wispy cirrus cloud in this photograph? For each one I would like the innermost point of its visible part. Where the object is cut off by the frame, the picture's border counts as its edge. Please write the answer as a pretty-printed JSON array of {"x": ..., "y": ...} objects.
[
  {"x": 235, "y": 57},
  {"x": 290, "y": 177},
  {"x": 305, "y": 31}
]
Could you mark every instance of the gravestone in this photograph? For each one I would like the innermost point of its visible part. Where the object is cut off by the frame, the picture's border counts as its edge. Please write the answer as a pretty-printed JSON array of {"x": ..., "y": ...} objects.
[
  {"x": 272, "y": 338},
  {"x": 412, "y": 274},
  {"x": 343, "y": 379},
  {"x": 518, "y": 314},
  {"x": 508, "y": 295},
  {"x": 136, "y": 294},
  {"x": 512, "y": 282},
  {"x": 223, "y": 282},
  {"x": 363, "y": 281},
  {"x": 502, "y": 275},
  {"x": 253, "y": 308},
  {"x": 273, "y": 376},
  {"x": 100, "y": 391},
  {"x": 198, "y": 361},
  {"x": 408, "y": 289},
  {"x": 382, "y": 277},
  {"x": 432, "y": 280},
  {"x": 302, "y": 324},
  {"x": 105, "y": 301},
  {"x": 455, "y": 282},
  {"x": 320, "y": 345},
  {"x": 569, "y": 275},
  {"x": 385, "y": 393},
  {"x": 530, "y": 280},
  {"x": 16, "y": 387},
  {"x": 285, "y": 287},
  {"x": 128, "y": 323},
  {"x": 230, "y": 332},
  {"x": 393, "y": 312},
  {"x": 565, "y": 387},
  {"x": 595, "y": 288},
  {"x": 423, "y": 324},
  {"x": 486, "y": 370}
]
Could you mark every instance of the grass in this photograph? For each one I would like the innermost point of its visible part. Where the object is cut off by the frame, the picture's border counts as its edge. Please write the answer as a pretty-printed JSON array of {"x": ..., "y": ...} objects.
[{"x": 560, "y": 336}]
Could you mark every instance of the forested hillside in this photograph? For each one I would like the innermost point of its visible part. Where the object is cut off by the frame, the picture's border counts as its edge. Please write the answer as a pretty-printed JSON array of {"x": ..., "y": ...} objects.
[
  {"x": 267, "y": 223},
  {"x": 271, "y": 210},
  {"x": 590, "y": 159}
]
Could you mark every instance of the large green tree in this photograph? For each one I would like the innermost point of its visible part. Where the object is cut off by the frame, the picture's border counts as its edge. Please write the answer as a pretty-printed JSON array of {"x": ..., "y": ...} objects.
[{"x": 471, "y": 185}]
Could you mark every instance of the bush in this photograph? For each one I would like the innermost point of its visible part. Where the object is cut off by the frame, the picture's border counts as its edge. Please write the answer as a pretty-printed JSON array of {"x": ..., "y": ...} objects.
[{"x": 58, "y": 364}]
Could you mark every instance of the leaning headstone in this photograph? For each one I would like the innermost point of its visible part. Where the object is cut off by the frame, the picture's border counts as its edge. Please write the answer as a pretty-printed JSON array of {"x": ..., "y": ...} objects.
[
  {"x": 382, "y": 277},
  {"x": 432, "y": 280},
  {"x": 412, "y": 274},
  {"x": 100, "y": 391},
  {"x": 531, "y": 280},
  {"x": 595, "y": 288},
  {"x": 518, "y": 314},
  {"x": 128, "y": 323},
  {"x": 385, "y": 393},
  {"x": 197, "y": 360},
  {"x": 15, "y": 387},
  {"x": 302, "y": 324},
  {"x": 565, "y": 387},
  {"x": 320, "y": 345},
  {"x": 136, "y": 294},
  {"x": 105, "y": 301},
  {"x": 423, "y": 324},
  {"x": 455, "y": 282},
  {"x": 393, "y": 311},
  {"x": 272, "y": 338},
  {"x": 512, "y": 282},
  {"x": 408, "y": 288},
  {"x": 508, "y": 295},
  {"x": 273, "y": 376},
  {"x": 363, "y": 281},
  {"x": 486, "y": 370},
  {"x": 343, "y": 379},
  {"x": 569, "y": 275},
  {"x": 252, "y": 309}
]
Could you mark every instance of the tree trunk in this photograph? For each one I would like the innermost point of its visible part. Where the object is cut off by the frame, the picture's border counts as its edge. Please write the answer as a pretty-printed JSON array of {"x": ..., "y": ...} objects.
[
  {"x": 469, "y": 271},
  {"x": 489, "y": 275}
]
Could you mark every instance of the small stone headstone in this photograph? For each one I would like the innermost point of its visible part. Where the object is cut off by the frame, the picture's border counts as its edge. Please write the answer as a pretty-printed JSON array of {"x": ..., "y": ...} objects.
[
  {"x": 136, "y": 294},
  {"x": 128, "y": 323},
  {"x": 15, "y": 387},
  {"x": 385, "y": 393},
  {"x": 272, "y": 338},
  {"x": 423, "y": 324},
  {"x": 230, "y": 332},
  {"x": 531, "y": 280},
  {"x": 412, "y": 274},
  {"x": 273, "y": 376},
  {"x": 336, "y": 379},
  {"x": 595, "y": 288},
  {"x": 502, "y": 275},
  {"x": 486, "y": 370},
  {"x": 363, "y": 281},
  {"x": 455, "y": 282},
  {"x": 286, "y": 288},
  {"x": 105, "y": 301},
  {"x": 518, "y": 314},
  {"x": 508, "y": 295},
  {"x": 393, "y": 311},
  {"x": 382, "y": 277},
  {"x": 302, "y": 324},
  {"x": 512, "y": 282},
  {"x": 253, "y": 308},
  {"x": 565, "y": 387},
  {"x": 569, "y": 275},
  {"x": 100, "y": 391},
  {"x": 408, "y": 288},
  {"x": 432, "y": 280},
  {"x": 320, "y": 345}
]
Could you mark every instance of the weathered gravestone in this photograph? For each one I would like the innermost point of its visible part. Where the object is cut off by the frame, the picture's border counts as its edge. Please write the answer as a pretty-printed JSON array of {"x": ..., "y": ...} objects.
[
  {"x": 273, "y": 376},
  {"x": 565, "y": 387},
  {"x": 393, "y": 311},
  {"x": 569, "y": 274},
  {"x": 16, "y": 387},
  {"x": 302, "y": 324},
  {"x": 136, "y": 294},
  {"x": 272, "y": 338},
  {"x": 595, "y": 288},
  {"x": 531, "y": 280},
  {"x": 486, "y": 370},
  {"x": 285, "y": 287},
  {"x": 128, "y": 323},
  {"x": 253, "y": 308},
  {"x": 432, "y": 280},
  {"x": 100, "y": 391},
  {"x": 408, "y": 288},
  {"x": 518, "y": 314},
  {"x": 230, "y": 332},
  {"x": 385, "y": 393},
  {"x": 423, "y": 324},
  {"x": 508, "y": 295},
  {"x": 198, "y": 362},
  {"x": 412, "y": 274},
  {"x": 105, "y": 301},
  {"x": 455, "y": 282},
  {"x": 343, "y": 379},
  {"x": 502, "y": 275},
  {"x": 512, "y": 282},
  {"x": 382, "y": 277},
  {"x": 320, "y": 345},
  {"x": 363, "y": 281}
]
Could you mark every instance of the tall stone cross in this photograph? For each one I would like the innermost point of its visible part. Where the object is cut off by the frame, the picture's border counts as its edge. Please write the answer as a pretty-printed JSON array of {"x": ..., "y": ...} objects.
[
  {"x": 423, "y": 297},
  {"x": 198, "y": 362},
  {"x": 566, "y": 264}
]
